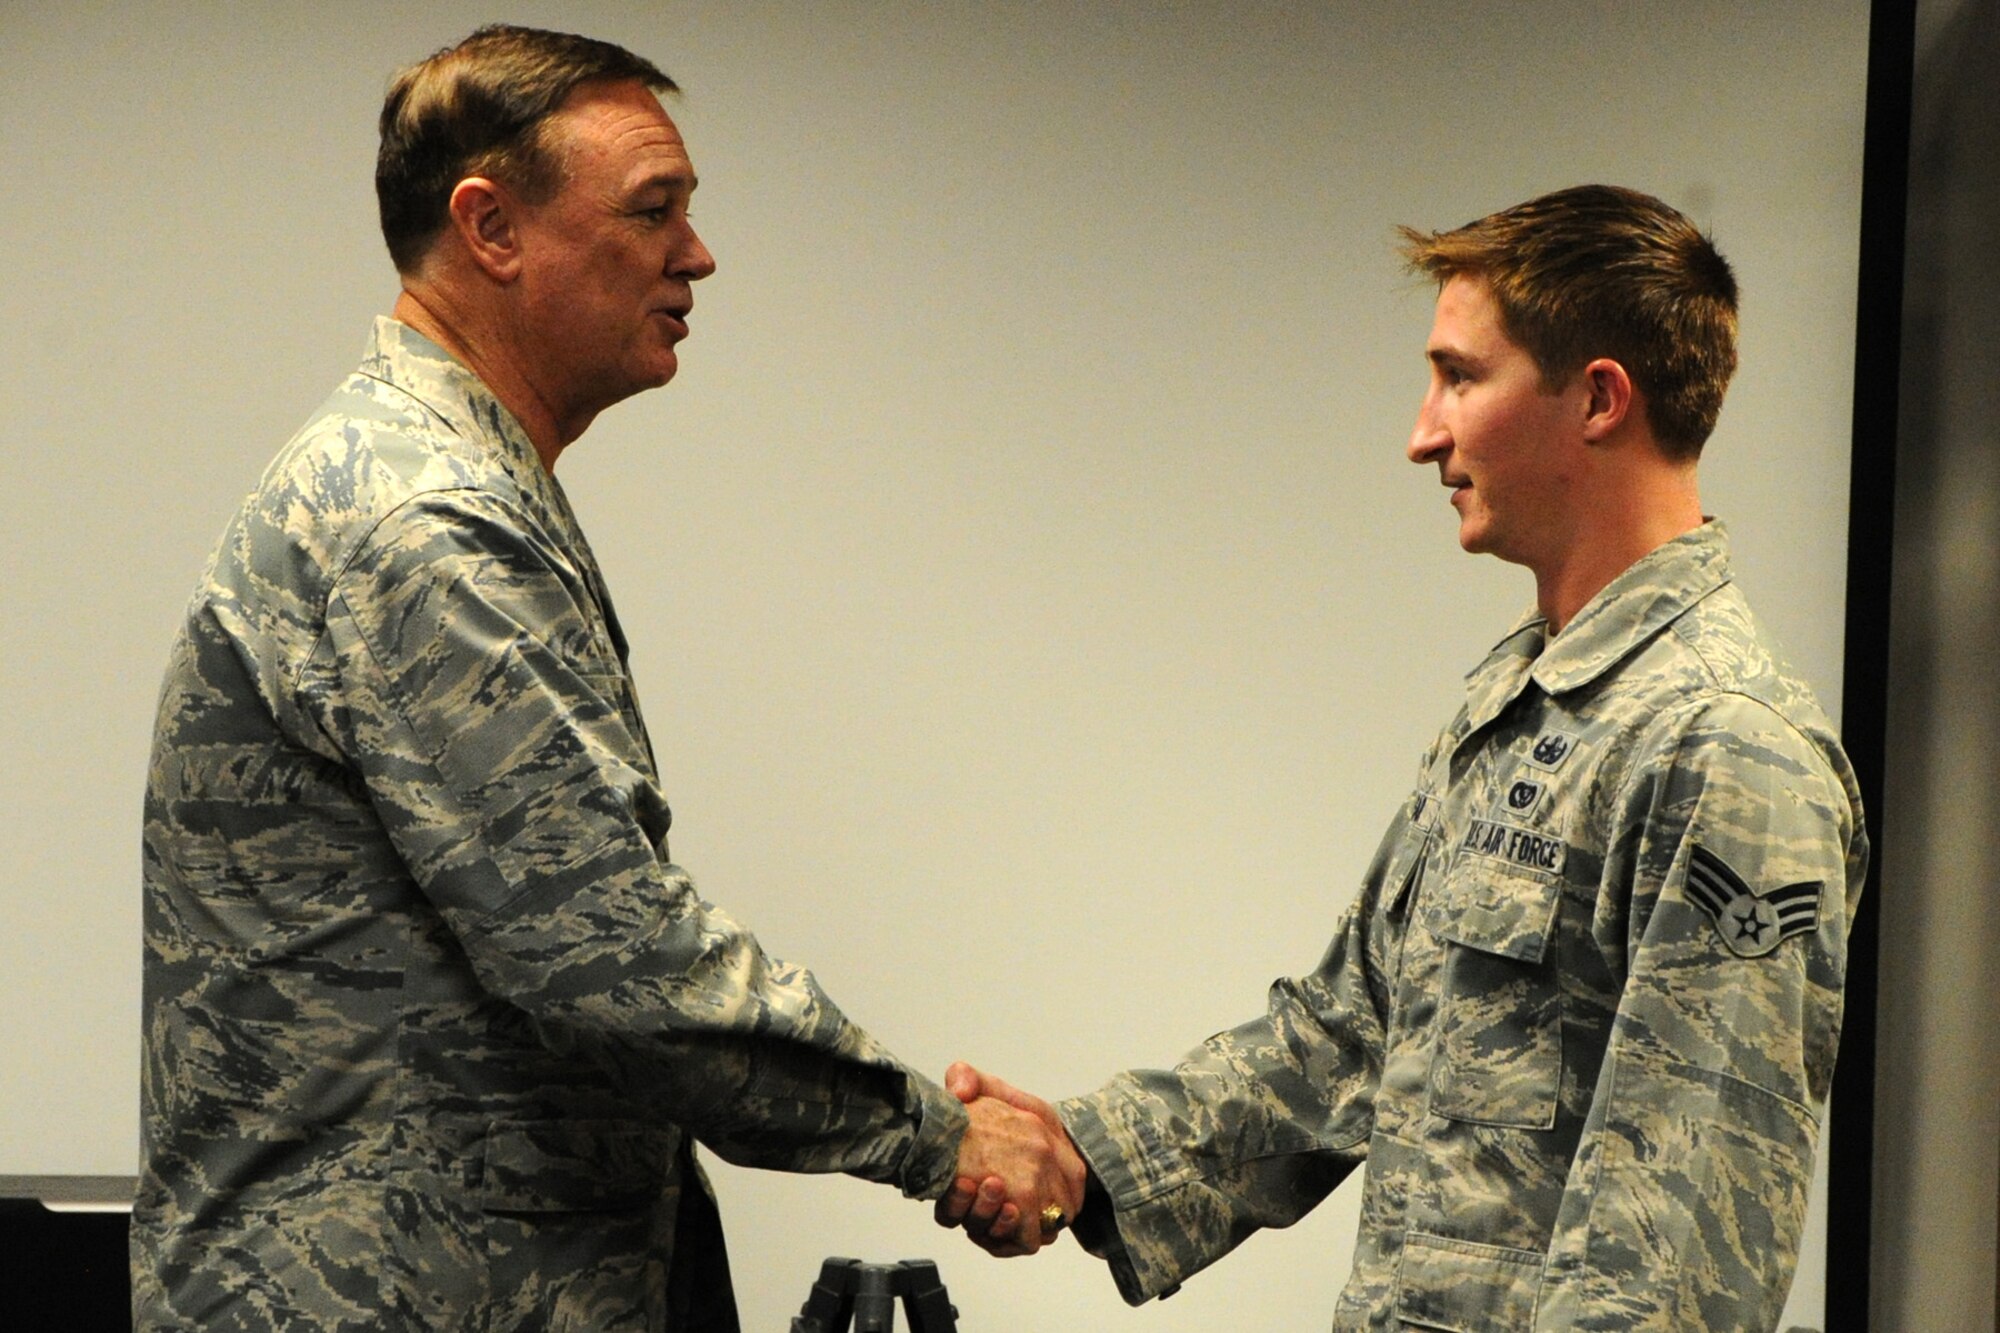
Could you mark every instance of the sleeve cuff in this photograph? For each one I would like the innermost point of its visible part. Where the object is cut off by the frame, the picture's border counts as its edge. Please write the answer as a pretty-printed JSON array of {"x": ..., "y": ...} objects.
[
  {"x": 931, "y": 1164},
  {"x": 1114, "y": 1223}
]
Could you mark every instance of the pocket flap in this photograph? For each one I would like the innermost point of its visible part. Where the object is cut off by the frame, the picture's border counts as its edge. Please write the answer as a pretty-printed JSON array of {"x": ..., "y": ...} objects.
[
  {"x": 1494, "y": 907},
  {"x": 1465, "y": 1287},
  {"x": 1399, "y": 861},
  {"x": 550, "y": 1166}
]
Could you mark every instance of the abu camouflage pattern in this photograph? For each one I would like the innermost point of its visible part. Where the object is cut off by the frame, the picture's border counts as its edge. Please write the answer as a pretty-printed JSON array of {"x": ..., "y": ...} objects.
[
  {"x": 431, "y": 1020},
  {"x": 1579, "y": 1105}
]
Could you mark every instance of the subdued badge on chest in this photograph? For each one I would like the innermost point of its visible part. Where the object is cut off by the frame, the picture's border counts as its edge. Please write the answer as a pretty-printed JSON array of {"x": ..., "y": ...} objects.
[
  {"x": 1551, "y": 750},
  {"x": 1522, "y": 797}
]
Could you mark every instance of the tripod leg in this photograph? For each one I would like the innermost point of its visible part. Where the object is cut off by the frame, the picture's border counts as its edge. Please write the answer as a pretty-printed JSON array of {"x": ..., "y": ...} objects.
[
  {"x": 831, "y": 1302},
  {"x": 925, "y": 1301}
]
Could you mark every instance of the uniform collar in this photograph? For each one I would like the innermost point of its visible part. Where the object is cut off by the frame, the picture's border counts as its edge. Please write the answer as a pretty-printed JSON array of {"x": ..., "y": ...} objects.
[
  {"x": 400, "y": 356},
  {"x": 1630, "y": 610}
]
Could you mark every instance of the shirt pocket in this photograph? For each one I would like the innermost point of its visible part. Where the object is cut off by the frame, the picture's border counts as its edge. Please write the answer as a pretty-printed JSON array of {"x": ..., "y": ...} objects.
[
  {"x": 1400, "y": 865},
  {"x": 1406, "y": 848},
  {"x": 1464, "y": 1287},
  {"x": 578, "y": 1221},
  {"x": 1497, "y": 1059}
]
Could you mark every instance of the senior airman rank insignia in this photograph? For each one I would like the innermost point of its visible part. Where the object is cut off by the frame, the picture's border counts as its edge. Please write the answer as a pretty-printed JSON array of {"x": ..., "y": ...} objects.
[{"x": 1750, "y": 924}]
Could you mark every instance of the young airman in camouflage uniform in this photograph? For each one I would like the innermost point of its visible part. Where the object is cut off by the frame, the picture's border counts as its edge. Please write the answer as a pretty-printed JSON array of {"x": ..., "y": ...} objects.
[
  {"x": 1579, "y": 1025},
  {"x": 432, "y": 1021}
]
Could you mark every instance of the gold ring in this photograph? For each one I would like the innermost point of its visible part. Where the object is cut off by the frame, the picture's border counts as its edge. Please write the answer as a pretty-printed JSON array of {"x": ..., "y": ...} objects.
[{"x": 1053, "y": 1219}]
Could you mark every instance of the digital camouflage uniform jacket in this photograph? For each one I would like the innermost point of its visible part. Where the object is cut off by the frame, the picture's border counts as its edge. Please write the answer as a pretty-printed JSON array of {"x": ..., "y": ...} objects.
[
  {"x": 1580, "y": 1021},
  {"x": 430, "y": 1017}
]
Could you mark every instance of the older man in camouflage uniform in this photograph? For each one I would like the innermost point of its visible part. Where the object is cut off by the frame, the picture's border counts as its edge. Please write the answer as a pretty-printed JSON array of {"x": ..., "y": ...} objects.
[
  {"x": 1580, "y": 1021},
  {"x": 432, "y": 1022}
]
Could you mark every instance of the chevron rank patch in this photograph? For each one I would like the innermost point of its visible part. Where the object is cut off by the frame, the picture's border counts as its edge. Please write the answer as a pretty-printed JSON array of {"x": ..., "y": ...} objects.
[{"x": 1750, "y": 924}]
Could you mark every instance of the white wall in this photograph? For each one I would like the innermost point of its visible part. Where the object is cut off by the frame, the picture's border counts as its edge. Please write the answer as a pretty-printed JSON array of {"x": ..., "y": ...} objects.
[{"x": 1036, "y": 616}]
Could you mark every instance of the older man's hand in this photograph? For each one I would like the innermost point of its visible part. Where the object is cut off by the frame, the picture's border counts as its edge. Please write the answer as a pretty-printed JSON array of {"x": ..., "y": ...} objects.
[{"x": 1017, "y": 1160}]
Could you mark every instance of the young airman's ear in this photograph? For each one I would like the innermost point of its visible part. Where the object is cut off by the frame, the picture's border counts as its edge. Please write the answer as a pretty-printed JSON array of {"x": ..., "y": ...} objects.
[
  {"x": 1610, "y": 401},
  {"x": 482, "y": 213}
]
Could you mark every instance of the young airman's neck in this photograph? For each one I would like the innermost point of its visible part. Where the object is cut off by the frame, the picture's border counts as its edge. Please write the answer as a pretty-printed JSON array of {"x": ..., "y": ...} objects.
[{"x": 1622, "y": 528}]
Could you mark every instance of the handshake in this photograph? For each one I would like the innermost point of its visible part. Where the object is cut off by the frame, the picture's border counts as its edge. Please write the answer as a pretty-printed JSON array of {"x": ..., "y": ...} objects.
[{"x": 1020, "y": 1179}]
